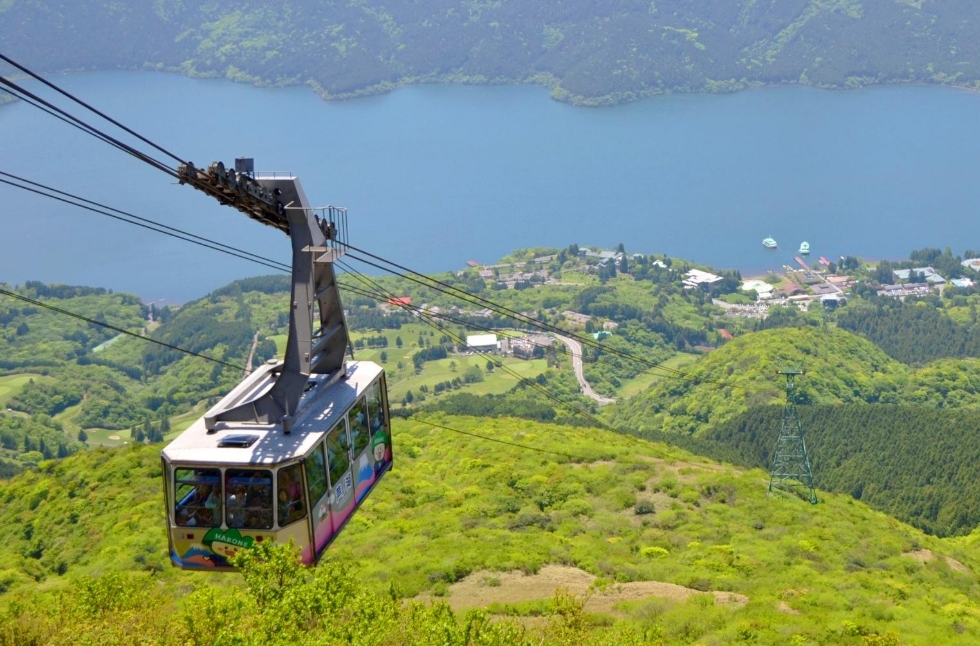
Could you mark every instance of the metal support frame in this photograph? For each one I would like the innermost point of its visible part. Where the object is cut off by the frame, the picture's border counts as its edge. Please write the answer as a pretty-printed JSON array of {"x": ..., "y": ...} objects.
[
  {"x": 790, "y": 463},
  {"x": 318, "y": 337}
]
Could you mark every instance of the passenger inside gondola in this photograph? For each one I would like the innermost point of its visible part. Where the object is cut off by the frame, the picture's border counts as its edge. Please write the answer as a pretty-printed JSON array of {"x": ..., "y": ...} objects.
[
  {"x": 249, "y": 499},
  {"x": 290, "y": 496},
  {"x": 196, "y": 503}
]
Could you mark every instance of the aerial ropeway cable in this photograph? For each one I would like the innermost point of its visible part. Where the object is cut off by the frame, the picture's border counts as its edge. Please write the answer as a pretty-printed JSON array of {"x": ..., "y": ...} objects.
[{"x": 238, "y": 190}]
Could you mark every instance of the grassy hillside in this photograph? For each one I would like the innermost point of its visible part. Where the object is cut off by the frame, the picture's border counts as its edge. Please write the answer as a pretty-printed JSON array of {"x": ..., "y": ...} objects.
[
  {"x": 460, "y": 510},
  {"x": 584, "y": 52},
  {"x": 841, "y": 368}
]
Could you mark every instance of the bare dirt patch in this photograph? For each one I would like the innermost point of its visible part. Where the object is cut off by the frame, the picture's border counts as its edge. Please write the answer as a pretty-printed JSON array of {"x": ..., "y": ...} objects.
[
  {"x": 924, "y": 556},
  {"x": 480, "y": 589},
  {"x": 688, "y": 472},
  {"x": 597, "y": 463},
  {"x": 784, "y": 607}
]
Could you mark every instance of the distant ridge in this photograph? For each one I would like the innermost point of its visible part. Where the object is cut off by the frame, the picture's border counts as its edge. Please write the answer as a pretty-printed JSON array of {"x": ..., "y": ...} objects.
[{"x": 584, "y": 52}]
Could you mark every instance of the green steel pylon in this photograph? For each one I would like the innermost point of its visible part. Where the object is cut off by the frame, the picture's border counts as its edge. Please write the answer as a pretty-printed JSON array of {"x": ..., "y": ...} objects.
[{"x": 790, "y": 464}]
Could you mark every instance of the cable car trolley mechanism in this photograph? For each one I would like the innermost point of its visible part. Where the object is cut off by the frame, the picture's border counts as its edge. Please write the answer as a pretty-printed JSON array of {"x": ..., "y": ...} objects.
[{"x": 296, "y": 447}]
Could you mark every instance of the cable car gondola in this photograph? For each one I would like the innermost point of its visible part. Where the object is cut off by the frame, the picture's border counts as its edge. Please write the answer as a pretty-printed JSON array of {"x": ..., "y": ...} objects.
[{"x": 298, "y": 445}]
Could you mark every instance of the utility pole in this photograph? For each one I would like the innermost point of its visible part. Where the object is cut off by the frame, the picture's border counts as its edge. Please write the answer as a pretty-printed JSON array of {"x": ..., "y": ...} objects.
[{"x": 790, "y": 464}]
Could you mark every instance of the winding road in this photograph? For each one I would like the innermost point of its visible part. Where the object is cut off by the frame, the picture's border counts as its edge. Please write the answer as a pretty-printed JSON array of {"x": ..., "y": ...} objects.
[{"x": 576, "y": 349}]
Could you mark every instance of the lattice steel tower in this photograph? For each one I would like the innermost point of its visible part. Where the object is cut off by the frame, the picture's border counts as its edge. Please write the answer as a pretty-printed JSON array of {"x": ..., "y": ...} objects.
[{"x": 790, "y": 464}]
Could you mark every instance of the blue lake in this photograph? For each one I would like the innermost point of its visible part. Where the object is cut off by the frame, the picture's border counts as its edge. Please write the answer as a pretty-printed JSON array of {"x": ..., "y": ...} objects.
[{"x": 434, "y": 176}]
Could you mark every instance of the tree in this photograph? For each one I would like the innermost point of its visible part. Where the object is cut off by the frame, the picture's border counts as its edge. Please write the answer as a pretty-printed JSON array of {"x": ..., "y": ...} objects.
[
  {"x": 409, "y": 397},
  {"x": 384, "y": 357},
  {"x": 452, "y": 366},
  {"x": 82, "y": 436},
  {"x": 489, "y": 366},
  {"x": 398, "y": 342}
]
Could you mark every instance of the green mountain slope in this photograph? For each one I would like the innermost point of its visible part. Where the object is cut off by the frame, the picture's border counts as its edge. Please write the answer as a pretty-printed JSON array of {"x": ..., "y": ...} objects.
[
  {"x": 584, "y": 51},
  {"x": 64, "y": 381},
  {"x": 456, "y": 505},
  {"x": 840, "y": 368}
]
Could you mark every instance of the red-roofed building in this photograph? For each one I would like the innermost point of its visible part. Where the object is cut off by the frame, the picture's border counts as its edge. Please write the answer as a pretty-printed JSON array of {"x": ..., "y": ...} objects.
[
  {"x": 725, "y": 334},
  {"x": 401, "y": 301}
]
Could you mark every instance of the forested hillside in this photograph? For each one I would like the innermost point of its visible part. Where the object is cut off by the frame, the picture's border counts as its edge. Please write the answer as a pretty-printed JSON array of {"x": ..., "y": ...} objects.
[
  {"x": 63, "y": 380},
  {"x": 915, "y": 332},
  {"x": 915, "y": 463},
  {"x": 586, "y": 52},
  {"x": 841, "y": 368}
]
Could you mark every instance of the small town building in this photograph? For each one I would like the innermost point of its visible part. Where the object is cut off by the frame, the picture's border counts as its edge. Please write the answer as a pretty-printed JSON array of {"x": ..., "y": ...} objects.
[
  {"x": 482, "y": 342},
  {"x": 962, "y": 282},
  {"x": 760, "y": 287},
  {"x": 696, "y": 277},
  {"x": 823, "y": 289},
  {"x": 972, "y": 263},
  {"x": 928, "y": 273}
]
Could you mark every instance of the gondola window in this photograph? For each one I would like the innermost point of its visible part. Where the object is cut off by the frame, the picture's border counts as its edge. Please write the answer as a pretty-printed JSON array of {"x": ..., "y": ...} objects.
[
  {"x": 248, "y": 499},
  {"x": 290, "y": 496},
  {"x": 316, "y": 474},
  {"x": 197, "y": 497},
  {"x": 359, "y": 430},
  {"x": 338, "y": 453}
]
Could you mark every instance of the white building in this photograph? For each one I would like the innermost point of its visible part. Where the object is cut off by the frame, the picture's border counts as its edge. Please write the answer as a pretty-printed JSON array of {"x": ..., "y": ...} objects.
[
  {"x": 482, "y": 342},
  {"x": 696, "y": 277},
  {"x": 760, "y": 287}
]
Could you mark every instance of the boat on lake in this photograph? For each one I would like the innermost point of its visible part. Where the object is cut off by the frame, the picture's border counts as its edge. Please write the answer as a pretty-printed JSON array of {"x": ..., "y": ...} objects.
[
  {"x": 804, "y": 248},
  {"x": 769, "y": 243}
]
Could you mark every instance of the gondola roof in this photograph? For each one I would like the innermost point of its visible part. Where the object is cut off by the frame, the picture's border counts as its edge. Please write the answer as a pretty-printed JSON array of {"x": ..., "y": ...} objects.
[{"x": 320, "y": 408}]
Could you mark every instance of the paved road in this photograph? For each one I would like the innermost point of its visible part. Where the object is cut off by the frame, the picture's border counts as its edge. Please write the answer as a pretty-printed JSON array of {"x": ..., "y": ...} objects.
[
  {"x": 576, "y": 349},
  {"x": 251, "y": 355}
]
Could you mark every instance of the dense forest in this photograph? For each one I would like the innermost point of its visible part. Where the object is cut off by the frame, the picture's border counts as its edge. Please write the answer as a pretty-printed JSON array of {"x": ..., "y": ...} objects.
[
  {"x": 916, "y": 464},
  {"x": 911, "y": 332},
  {"x": 582, "y": 51}
]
